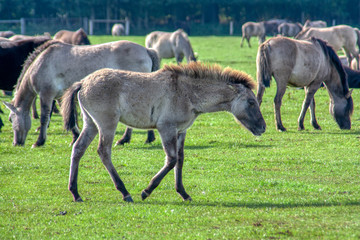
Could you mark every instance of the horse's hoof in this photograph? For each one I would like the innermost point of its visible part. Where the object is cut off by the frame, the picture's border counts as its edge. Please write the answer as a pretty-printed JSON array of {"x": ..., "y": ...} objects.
[
  {"x": 301, "y": 128},
  {"x": 282, "y": 129},
  {"x": 128, "y": 199},
  {"x": 188, "y": 199},
  {"x": 122, "y": 142},
  {"x": 144, "y": 195},
  {"x": 79, "y": 199},
  {"x": 149, "y": 140}
]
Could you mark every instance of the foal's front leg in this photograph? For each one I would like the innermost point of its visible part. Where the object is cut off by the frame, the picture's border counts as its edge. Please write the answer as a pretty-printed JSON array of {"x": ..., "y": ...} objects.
[
  {"x": 178, "y": 168},
  {"x": 169, "y": 142}
]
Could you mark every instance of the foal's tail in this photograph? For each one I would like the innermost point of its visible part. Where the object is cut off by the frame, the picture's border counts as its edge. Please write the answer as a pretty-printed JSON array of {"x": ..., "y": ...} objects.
[
  {"x": 263, "y": 70},
  {"x": 155, "y": 59},
  {"x": 68, "y": 106}
]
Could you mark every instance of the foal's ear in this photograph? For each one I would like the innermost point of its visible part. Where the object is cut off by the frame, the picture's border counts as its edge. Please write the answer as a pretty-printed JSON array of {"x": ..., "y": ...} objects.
[
  {"x": 348, "y": 95},
  {"x": 10, "y": 106}
]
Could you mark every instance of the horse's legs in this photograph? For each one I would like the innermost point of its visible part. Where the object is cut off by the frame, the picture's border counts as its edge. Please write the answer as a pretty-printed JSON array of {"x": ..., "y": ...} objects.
[
  {"x": 87, "y": 135},
  {"x": 310, "y": 92},
  {"x": 169, "y": 142},
  {"x": 313, "y": 117},
  {"x": 281, "y": 88},
  {"x": 248, "y": 40},
  {"x": 242, "y": 40},
  {"x": 126, "y": 137},
  {"x": 106, "y": 136},
  {"x": 178, "y": 168},
  {"x": 35, "y": 115},
  {"x": 46, "y": 105}
]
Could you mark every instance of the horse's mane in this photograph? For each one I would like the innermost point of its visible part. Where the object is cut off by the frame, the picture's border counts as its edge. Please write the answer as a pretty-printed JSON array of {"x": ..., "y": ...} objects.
[
  {"x": 212, "y": 72},
  {"x": 331, "y": 54},
  {"x": 32, "y": 57}
]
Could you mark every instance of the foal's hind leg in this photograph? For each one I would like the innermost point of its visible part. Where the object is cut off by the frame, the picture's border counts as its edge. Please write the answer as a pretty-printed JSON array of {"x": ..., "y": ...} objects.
[
  {"x": 106, "y": 136},
  {"x": 313, "y": 117},
  {"x": 87, "y": 135}
]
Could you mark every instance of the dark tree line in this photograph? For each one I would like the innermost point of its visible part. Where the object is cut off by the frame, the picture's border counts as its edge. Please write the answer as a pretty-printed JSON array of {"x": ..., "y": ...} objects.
[{"x": 147, "y": 15}]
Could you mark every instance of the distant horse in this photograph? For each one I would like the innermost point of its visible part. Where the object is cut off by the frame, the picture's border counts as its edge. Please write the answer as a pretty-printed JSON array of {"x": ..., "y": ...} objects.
[
  {"x": 23, "y": 37},
  {"x": 339, "y": 37},
  {"x": 168, "y": 100},
  {"x": 6, "y": 34},
  {"x": 78, "y": 37},
  {"x": 271, "y": 26},
  {"x": 118, "y": 29},
  {"x": 315, "y": 24},
  {"x": 171, "y": 44},
  {"x": 54, "y": 67},
  {"x": 251, "y": 29},
  {"x": 289, "y": 29},
  {"x": 12, "y": 56},
  {"x": 304, "y": 63}
]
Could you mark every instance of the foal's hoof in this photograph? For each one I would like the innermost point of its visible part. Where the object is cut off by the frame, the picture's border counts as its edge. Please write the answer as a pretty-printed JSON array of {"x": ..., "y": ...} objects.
[
  {"x": 128, "y": 199},
  {"x": 144, "y": 195}
]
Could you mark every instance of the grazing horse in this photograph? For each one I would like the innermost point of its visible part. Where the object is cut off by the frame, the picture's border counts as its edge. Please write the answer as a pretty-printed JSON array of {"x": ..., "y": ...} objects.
[
  {"x": 339, "y": 37},
  {"x": 315, "y": 24},
  {"x": 78, "y": 37},
  {"x": 171, "y": 44},
  {"x": 117, "y": 29},
  {"x": 271, "y": 26},
  {"x": 250, "y": 29},
  {"x": 55, "y": 66},
  {"x": 304, "y": 63},
  {"x": 289, "y": 29},
  {"x": 12, "y": 57},
  {"x": 168, "y": 100}
]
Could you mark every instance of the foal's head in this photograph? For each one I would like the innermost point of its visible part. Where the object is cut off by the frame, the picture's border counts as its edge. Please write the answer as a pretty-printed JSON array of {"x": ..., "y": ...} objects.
[{"x": 245, "y": 106}]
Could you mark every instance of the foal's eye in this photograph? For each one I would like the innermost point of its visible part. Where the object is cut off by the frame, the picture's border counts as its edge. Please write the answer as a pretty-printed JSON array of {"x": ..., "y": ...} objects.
[{"x": 251, "y": 102}]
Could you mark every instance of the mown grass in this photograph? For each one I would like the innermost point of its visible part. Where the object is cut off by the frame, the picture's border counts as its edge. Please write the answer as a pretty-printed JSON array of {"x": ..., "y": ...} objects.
[{"x": 290, "y": 185}]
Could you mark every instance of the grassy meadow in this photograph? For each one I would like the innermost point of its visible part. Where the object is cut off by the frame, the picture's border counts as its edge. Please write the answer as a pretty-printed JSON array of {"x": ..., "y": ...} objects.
[{"x": 282, "y": 185}]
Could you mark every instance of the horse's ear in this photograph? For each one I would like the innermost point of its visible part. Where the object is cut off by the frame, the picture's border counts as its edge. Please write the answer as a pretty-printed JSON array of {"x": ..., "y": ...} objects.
[
  {"x": 10, "y": 106},
  {"x": 348, "y": 95}
]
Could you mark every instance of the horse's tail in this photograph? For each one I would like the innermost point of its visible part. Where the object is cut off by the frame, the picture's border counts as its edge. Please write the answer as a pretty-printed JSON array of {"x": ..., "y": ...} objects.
[
  {"x": 155, "y": 59},
  {"x": 32, "y": 57},
  {"x": 68, "y": 106},
  {"x": 335, "y": 60},
  {"x": 263, "y": 70}
]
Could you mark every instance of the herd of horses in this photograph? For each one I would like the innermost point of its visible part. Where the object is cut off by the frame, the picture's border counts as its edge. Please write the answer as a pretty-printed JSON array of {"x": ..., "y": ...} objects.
[{"x": 121, "y": 81}]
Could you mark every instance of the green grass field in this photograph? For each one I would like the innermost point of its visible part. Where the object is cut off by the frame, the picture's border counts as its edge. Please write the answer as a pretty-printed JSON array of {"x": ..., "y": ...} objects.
[{"x": 282, "y": 185}]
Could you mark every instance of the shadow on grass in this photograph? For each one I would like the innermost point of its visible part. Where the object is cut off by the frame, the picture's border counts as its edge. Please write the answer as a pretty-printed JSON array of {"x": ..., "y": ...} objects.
[{"x": 252, "y": 205}]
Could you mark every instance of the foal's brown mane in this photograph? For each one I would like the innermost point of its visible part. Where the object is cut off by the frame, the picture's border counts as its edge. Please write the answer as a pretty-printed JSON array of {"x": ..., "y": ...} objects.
[{"x": 212, "y": 72}]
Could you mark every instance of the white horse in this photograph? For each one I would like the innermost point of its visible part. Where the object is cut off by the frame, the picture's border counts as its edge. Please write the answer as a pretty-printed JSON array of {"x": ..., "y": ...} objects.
[
  {"x": 117, "y": 29},
  {"x": 171, "y": 44}
]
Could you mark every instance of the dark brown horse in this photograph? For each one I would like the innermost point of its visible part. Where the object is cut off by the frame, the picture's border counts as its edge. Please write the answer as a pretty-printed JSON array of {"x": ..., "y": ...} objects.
[
  {"x": 78, "y": 37},
  {"x": 353, "y": 77}
]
